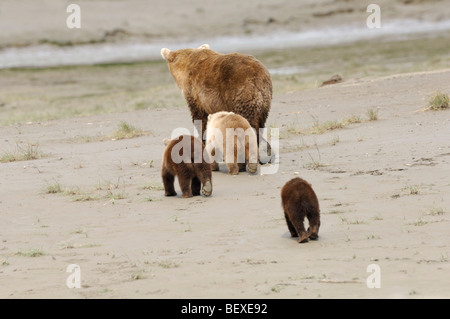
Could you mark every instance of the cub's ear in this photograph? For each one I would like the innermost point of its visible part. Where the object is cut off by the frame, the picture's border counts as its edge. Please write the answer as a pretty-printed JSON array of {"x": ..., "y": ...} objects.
[
  {"x": 166, "y": 141},
  {"x": 204, "y": 46},
  {"x": 167, "y": 54}
]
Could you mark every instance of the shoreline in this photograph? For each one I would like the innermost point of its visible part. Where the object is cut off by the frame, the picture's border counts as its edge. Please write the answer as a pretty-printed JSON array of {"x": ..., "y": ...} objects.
[{"x": 88, "y": 54}]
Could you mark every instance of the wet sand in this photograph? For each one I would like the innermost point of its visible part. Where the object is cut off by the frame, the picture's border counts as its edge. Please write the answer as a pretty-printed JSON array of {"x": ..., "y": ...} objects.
[
  {"x": 381, "y": 184},
  {"x": 93, "y": 200}
]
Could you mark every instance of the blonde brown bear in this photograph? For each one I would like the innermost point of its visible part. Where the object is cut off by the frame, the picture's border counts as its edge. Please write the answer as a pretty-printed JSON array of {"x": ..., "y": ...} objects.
[{"x": 231, "y": 138}]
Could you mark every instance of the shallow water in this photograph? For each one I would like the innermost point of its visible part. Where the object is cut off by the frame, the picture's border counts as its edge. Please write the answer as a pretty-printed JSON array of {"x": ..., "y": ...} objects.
[{"x": 47, "y": 55}]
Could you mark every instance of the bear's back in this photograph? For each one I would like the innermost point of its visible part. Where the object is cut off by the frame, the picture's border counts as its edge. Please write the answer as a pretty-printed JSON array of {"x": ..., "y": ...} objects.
[
  {"x": 187, "y": 158},
  {"x": 298, "y": 190},
  {"x": 224, "y": 120}
]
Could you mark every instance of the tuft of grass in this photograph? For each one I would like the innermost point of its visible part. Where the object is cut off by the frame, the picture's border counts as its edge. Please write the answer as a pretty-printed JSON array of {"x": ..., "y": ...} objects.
[
  {"x": 150, "y": 199},
  {"x": 356, "y": 222},
  {"x": 420, "y": 222},
  {"x": 22, "y": 153},
  {"x": 413, "y": 189},
  {"x": 433, "y": 211},
  {"x": 318, "y": 128},
  {"x": 54, "y": 189},
  {"x": 321, "y": 128},
  {"x": 438, "y": 101},
  {"x": 276, "y": 289},
  {"x": 353, "y": 119},
  {"x": 168, "y": 264},
  {"x": 116, "y": 195},
  {"x": 153, "y": 187},
  {"x": 79, "y": 195},
  {"x": 125, "y": 131},
  {"x": 345, "y": 220},
  {"x": 334, "y": 140},
  {"x": 372, "y": 114},
  {"x": 85, "y": 198},
  {"x": 336, "y": 211},
  {"x": 138, "y": 275},
  {"x": 315, "y": 163},
  {"x": 31, "y": 253}
]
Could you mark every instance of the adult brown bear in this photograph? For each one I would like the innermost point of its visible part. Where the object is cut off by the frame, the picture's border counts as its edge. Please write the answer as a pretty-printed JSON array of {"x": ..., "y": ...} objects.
[{"x": 213, "y": 82}]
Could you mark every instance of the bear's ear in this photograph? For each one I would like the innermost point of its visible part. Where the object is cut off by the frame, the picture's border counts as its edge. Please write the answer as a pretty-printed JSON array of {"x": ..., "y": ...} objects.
[
  {"x": 204, "y": 46},
  {"x": 167, "y": 54},
  {"x": 166, "y": 141}
]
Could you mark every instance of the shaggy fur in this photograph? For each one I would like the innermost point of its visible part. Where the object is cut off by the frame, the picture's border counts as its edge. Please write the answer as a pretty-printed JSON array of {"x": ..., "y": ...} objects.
[
  {"x": 190, "y": 175},
  {"x": 213, "y": 82},
  {"x": 243, "y": 144},
  {"x": 299, "y": 201}
]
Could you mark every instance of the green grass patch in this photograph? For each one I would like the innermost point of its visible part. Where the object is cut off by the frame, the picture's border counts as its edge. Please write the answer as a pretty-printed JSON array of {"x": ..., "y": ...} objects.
[
  {"x": 27, "y": 152},
  {"x": 153, "y": 187},
  {"x": 126, "y": 131},
  {"x": 55, "y": 188},
  {"x": 438, "y": 101},
  {"x": 372, "y": 114},
  {"x": 30, "y": 253}
]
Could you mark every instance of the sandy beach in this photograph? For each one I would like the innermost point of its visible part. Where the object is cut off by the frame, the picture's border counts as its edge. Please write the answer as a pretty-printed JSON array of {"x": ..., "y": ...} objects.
[{"x": 86, "y": 196}]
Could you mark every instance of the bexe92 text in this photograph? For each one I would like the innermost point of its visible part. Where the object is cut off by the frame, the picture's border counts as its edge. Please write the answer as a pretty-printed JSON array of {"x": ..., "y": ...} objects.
[{"x": 245, "y": 308}]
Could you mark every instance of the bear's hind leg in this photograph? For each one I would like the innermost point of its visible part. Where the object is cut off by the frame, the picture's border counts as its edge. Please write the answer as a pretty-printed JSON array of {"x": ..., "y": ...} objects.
[
  {"x": 297, "y": 221},
  {"x": 214, "y": 166},
  {"x": 195, "y": 186},
  {"x": 290, "y": 226},
  {"x": 233, "y": 169},
  {"x": 168, "y": 182},
  {"x": 185, "y": 185},
  {"x": 313, "y": 229},
  {"x": 198, "y": 114},
  {"x": 252, "y": 168},
  {"x": 207, "y": 188},
  {"x": 204, "y": 176}
]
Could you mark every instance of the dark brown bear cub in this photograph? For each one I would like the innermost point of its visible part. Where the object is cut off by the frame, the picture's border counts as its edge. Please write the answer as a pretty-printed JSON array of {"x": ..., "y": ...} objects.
[
  {"x": 183, "y": 158},
  {"x": 300, "y": 201}
]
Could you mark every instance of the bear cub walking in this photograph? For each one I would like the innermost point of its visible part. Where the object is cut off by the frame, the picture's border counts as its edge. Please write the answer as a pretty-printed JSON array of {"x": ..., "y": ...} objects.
[
  {"x": 299, "y": 201},
  {"x": 231, "y": 137},
  {"x": 185, "y": 165}
]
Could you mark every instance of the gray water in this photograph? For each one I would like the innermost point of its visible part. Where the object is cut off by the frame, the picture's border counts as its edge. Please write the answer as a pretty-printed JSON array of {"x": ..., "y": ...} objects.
[{"x": 47, "y": 55}]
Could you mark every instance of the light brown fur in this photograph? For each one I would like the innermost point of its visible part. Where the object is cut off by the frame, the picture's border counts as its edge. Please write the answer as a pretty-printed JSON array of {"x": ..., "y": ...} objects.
[
  {"x": 213, "y": 82},
  {"x": 243, "y": 144}
]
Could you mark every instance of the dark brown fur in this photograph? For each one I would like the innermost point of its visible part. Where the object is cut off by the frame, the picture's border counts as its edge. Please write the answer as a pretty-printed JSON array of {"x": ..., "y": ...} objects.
[
  {"x": 299, "y": 201},
  {"x": 190, "y": 175},
  {"x": 213, "y": 82}
]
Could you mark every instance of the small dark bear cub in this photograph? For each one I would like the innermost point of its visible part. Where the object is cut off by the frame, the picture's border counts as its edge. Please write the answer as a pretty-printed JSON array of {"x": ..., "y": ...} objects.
[
  {"x": 186, "y": 166},
  {"x": 299, "y": 201}
]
